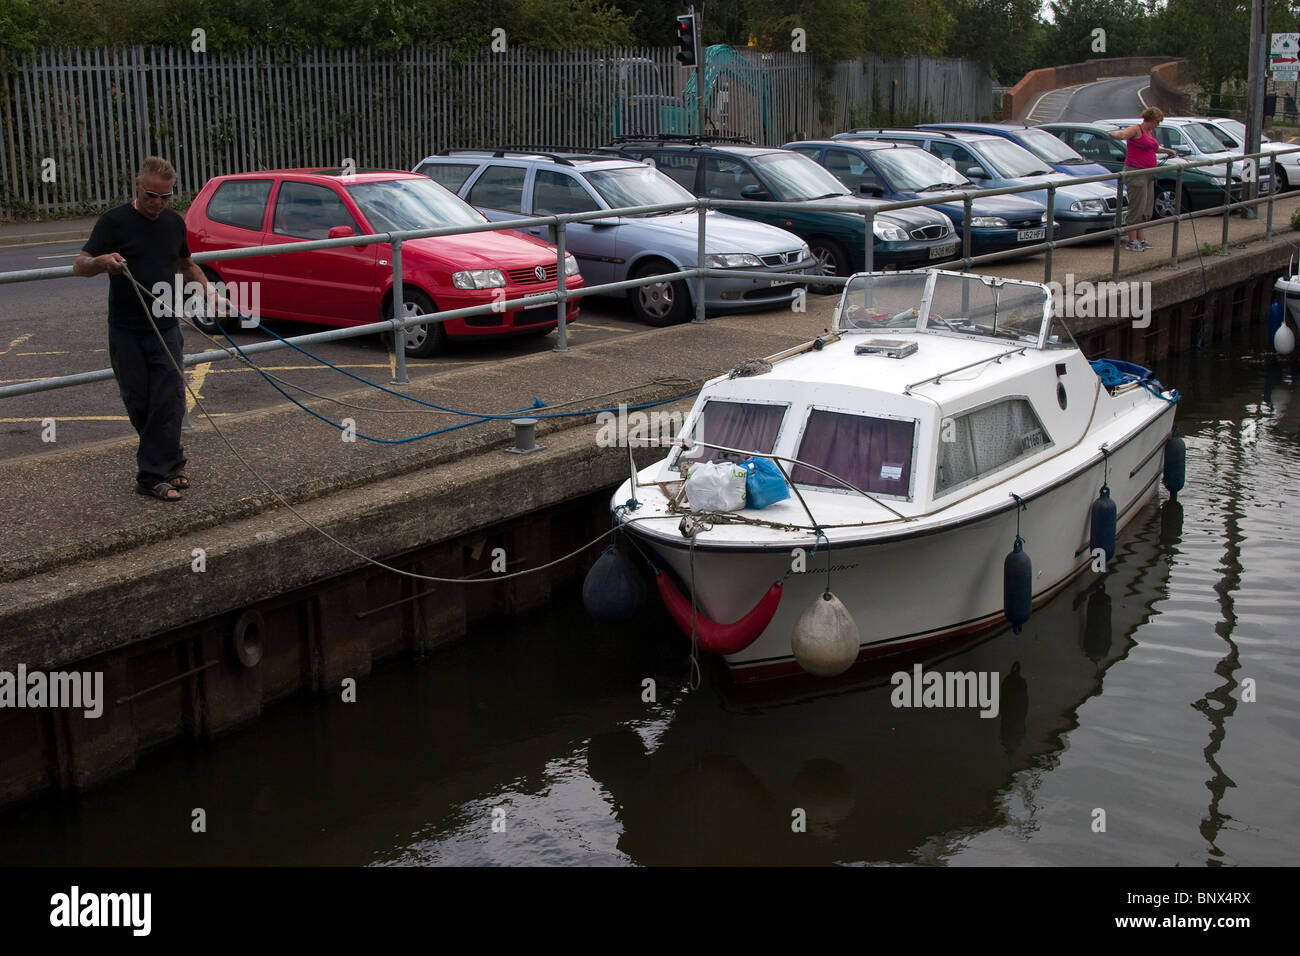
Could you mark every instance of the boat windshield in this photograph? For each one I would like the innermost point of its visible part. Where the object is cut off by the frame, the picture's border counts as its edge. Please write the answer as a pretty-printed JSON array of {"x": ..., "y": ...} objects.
[
  {"x": 953, "y": 303},
  {"x": 891, "y": 301}
]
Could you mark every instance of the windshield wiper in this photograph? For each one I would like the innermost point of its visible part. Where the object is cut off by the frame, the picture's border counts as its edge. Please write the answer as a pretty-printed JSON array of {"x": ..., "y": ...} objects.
[
  {"x": 826, "y": 196},
  {"x": 935, "y": 187}
]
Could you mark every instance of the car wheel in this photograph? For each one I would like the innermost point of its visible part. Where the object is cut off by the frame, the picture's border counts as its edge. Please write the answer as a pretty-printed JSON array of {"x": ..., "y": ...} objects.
[
  {"x": 210, "y": 324},
  {"x": 1282, "y": 184},
  {"x": 659, "y": 303},
  {"x": 832, "y": 260},
  {"x": 422, "y": 340},
  {"x": 1164, "y": 204}
]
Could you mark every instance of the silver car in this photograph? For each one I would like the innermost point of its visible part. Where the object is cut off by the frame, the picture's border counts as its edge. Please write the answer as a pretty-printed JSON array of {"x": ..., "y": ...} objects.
[{"x": 511, "y": 185}]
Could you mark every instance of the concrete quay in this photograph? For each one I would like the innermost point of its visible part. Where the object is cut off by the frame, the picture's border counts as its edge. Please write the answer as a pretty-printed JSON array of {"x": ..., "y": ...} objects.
[{"x": 95, "y": 577}]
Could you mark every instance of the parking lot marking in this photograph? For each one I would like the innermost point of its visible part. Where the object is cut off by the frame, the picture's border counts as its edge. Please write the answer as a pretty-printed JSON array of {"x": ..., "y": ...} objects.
[
  {"x": 16, "y": 342},
  {"x": 603, "y": 328},
  {"x": 66, "y": 255},
  {"x": 196, "y": 375},
  {"x": 82, "y": 418},
  {"x": 291, "y": 368}
]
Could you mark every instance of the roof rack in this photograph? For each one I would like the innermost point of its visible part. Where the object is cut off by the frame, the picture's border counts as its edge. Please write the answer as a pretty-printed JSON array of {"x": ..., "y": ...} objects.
[
  {"x": 693, "y": 139},
  {"x": 558, "y": 153},
  {"x": 502, "y": 152}
]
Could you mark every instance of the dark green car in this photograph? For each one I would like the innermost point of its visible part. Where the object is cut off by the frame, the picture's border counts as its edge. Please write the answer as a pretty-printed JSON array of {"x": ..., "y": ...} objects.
[{"x": 1201, "y": 189}]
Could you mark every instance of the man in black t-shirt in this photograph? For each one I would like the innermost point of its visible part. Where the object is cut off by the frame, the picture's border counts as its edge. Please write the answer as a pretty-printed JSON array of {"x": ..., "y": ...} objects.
[{"x": 149, "y": 239}]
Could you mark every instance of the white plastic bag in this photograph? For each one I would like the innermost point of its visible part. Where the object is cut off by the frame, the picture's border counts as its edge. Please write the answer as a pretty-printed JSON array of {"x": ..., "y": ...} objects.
[{"x": 716, "y": 486}]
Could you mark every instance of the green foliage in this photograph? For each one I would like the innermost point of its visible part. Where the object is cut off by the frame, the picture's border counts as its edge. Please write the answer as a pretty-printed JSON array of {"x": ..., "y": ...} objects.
[
  {"x": 1295, "y": 220},
  {"x": 1212, "y": 249}
]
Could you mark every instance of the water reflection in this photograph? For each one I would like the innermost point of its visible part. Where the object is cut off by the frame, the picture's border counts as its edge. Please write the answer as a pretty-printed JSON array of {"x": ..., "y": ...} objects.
[{"x": 871, "y": 781}]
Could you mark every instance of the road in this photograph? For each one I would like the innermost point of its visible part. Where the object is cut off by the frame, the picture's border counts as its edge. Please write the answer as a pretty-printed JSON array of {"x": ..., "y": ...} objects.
[
  {"x": 1116, "y": 98},
  {"x": 58, "y": 327}
]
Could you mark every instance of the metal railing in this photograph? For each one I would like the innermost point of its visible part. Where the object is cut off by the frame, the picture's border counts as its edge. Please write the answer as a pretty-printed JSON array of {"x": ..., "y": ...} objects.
[{"x": 559, "y": 223}]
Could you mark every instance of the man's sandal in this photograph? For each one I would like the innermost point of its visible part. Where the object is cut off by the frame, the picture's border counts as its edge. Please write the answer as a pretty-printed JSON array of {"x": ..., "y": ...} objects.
[
  {"x": 163, "y": 491},
  {"x": 179, "y": 481}
]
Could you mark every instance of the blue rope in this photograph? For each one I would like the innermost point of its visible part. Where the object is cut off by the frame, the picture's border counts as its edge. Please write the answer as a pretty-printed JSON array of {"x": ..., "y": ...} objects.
[
  {"x": 478, "y": 418},
  {"x": 484, "y": 416}
]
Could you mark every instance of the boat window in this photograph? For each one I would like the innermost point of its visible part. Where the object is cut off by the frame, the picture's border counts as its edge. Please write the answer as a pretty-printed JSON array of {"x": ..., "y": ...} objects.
[
  {"x": 871, "y": 454},
  {"x": 1010, "y": 312},
  {"x": 979, "y": 442},
  {"x": 881, "y": 302},
  {"x": 746, "y": 425}
]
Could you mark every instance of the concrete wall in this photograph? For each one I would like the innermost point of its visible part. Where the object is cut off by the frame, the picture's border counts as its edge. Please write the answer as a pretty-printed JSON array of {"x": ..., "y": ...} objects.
[{"x": 1018, "y": 99}]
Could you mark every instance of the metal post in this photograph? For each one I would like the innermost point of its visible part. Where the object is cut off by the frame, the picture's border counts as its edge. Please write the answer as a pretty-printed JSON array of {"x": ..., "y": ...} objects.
[
  {"x": 700, "y": 255},
  {"x": 1272, "y": 188},
  {"x": 965, "y": 229},
  {"x": 1178, "y": 212},
  {"x": 561, "y": 307},
  {"x": 1047, "y": 232},
  {"x": 869, "y": 257},
  {"x": 1256, "y": 76},
  {"x": 1120, "y": 180},
  {"x": 399, "y": 313},
  {"x": 1227, "y": 204}
]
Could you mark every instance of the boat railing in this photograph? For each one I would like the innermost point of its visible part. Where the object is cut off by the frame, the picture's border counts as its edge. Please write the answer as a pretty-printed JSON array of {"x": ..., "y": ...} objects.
[{"x": 907, "y": 389}]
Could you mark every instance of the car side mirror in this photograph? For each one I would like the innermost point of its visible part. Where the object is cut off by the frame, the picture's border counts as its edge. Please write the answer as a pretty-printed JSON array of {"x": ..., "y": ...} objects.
[
  {"x": 871, "y": 189},
  {"x": 342, "y": 232},
  {"x": 975, "y": 172},
  {"x": 753, "y": 191},
  {"x": 1182, "y": 149}
]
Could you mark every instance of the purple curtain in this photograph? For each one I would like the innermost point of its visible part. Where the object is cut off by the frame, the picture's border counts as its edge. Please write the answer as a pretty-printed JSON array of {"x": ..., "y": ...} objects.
[
  {"x": 872, "y": 454},
  {"x": 738, "y": 425}
]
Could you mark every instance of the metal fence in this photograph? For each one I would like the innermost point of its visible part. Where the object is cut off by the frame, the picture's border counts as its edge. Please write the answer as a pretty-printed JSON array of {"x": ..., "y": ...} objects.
[
  {"x": 695, "y": 274},
  {"x": 74, "y": 124}
]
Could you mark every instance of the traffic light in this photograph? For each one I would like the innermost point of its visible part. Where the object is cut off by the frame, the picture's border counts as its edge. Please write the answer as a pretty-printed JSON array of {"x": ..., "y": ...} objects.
[{"x": 686, "y": 39}]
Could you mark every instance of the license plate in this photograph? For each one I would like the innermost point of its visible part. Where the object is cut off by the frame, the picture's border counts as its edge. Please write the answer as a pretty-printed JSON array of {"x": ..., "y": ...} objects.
[
  {"x": 535, "y": 295},
  {"x": 785, "y": 281},
  {"x": 943, "y": 252},
  {"x": 1024, "y": 235}
]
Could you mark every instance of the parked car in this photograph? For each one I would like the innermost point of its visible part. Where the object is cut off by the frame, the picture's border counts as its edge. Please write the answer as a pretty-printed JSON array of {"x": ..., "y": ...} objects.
[
  {"x": 1194, "y": 140},
  {"x": 903, "y": 238},
  {"x": 993, "y": 161},
  {"x": 1051, "y": 150},
  {"x": 511, "y": 185},
  {"x": 1234, "y": 137},
  {"x": 352, "y": 285},
  {"x": 1200, "y": 189},
  {"x": 897, "y": 172}
]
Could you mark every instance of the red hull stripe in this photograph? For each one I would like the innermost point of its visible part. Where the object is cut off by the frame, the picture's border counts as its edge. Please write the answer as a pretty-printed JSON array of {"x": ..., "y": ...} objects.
[{"x": 711, "y": 636}]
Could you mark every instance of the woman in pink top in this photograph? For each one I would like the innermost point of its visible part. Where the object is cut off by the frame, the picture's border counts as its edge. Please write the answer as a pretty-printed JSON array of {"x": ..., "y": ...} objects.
[{"x": 1141, "y": 154}]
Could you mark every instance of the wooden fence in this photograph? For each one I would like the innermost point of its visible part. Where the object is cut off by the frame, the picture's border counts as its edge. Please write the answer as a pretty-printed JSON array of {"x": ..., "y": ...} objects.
[{"x": 74, "y": 124}]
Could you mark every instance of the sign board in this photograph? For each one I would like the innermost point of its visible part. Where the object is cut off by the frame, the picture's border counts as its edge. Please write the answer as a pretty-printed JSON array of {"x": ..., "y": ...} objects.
[{"x": 1284, "y": 56}]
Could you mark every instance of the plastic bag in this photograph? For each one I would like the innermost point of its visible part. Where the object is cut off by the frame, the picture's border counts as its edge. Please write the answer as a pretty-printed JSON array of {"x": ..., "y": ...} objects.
[
  {"x": 716, "y": 486},
  {"x": 764, "y": 483}
]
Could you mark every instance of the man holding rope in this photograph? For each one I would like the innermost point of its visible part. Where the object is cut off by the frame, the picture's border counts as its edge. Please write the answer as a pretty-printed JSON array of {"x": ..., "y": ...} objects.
[{"x": 145, "y": 241}]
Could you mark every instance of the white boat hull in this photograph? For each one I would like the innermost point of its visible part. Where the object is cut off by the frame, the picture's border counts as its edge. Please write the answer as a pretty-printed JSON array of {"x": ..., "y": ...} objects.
[{"x": 960, "y": 589}]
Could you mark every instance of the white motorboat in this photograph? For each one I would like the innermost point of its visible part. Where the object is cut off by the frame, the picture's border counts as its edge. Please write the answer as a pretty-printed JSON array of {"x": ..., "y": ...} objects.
[{"x": 945, "y": 418}]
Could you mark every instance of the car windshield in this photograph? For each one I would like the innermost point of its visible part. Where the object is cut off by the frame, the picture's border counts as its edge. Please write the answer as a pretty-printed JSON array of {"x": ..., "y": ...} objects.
[
  {"x": 1007, "y": 159},
  {"x": 1047, "y": 147},
  {"x": 1237, "y": 130},
  {"x": 910, "y": 169},
  {"x": 411, "y": 204},
  {"x": 1203, "y": 138},
  {"x": 791, "y": 177},
  {"x": 636, "y": 186}
]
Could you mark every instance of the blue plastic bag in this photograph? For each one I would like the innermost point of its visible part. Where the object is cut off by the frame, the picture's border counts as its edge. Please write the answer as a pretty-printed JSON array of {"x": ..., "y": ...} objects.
[{"x": 764, "y": 484}]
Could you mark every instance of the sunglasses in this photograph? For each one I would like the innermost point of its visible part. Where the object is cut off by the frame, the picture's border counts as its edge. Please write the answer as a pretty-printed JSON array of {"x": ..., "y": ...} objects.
[{"x": 153, "y": 195}]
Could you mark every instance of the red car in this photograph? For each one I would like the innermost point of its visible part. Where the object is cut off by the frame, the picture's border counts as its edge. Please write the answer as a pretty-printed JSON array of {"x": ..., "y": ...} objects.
[{"x": 352, "y": 285}]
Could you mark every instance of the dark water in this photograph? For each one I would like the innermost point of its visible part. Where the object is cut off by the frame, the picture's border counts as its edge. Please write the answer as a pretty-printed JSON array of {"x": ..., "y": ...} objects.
[{"x": 1123, "y": 696}]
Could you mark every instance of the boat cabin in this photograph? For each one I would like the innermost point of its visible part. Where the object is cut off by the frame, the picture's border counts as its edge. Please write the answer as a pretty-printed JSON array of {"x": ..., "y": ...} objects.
[{"x": 935, "y": 386}]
